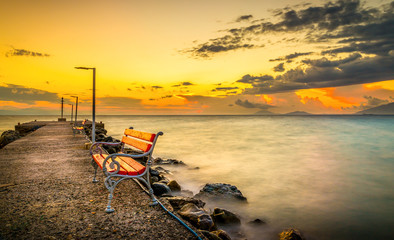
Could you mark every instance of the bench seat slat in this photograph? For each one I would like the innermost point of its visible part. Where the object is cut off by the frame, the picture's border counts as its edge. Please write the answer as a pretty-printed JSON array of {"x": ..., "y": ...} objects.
[
  {"x": 137, "y": 144},
  {"x": 128, "y": 166},
  {"x": 141, "y": 135}
]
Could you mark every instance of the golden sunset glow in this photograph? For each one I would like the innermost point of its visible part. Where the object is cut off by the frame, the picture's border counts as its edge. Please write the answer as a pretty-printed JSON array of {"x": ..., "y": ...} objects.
[{"x": 182, "y": 57}]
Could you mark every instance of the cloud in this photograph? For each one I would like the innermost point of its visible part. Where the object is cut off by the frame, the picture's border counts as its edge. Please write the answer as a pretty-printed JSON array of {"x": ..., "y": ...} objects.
[
  {"x": 247, "y": 104},
  {"x": 289, "y": 57},
  {"x": 324, "y": 62},
  {"x": 244, "y": 18},
  {"x": 21, "y": 94},
  {"x": 279, "y": 68},
  {"x": 183, "y": 84},
  {"x": 332, "y": 20},
  {"x": 371, "y": 103},
  {"x": 156, "y": 87},
  {"x": 24, "y": 52},
  {"x": 324, "y": 73},
  {"x": 225, "y": 88}
]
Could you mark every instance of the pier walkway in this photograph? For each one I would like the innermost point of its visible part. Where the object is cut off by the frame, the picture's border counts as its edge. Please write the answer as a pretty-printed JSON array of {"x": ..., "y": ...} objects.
[{"x": 46, "y": 192}]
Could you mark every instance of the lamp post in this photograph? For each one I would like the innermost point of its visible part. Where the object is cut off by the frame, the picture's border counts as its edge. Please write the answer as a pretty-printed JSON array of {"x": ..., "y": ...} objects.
[
  {"x": 72, "y": 110},
  {"x": 94, "y": 102},
  {"x": 76, "y": 109}
]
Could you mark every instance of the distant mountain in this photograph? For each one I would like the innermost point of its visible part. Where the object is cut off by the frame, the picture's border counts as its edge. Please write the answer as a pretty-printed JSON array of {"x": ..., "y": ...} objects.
[
  {"x": 265, "y": 112},
  {"x": 387, "y": 109},
  {"x": 298, "y": 113}
]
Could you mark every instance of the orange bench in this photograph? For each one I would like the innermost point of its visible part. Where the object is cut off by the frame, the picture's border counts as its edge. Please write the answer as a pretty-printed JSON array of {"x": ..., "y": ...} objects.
[{"x": 120, "y": 166}]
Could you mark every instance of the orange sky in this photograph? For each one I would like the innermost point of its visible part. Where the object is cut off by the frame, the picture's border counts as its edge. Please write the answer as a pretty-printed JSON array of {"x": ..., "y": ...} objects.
[{"x": 202, "y": 57}]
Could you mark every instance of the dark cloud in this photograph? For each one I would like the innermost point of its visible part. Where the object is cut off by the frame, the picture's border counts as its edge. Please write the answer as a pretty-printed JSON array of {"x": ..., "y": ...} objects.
[
  {"x": 183, "y": 84},
  {"x": 225, "y": 88},
  {"x": 289, "y": 57},
  {"x": 247, "y": 104},
  {"x": 332, "y": 20},
  {"x": 156, "y": 87},
  {"x": 279, "y": 68},
  {"x": 324, "y": 73},
  {"x": 22, "y": 94},
  {"x": 24, "y": 52},
  {"x": 324, "y": 62},
  {"x": 128, "y": 89},
  {"x": 244, "y": 18}
]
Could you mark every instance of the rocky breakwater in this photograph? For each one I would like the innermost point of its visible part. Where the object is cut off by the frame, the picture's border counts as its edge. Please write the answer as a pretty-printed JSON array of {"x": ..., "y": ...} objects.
[{"x": 21, "y": 130}]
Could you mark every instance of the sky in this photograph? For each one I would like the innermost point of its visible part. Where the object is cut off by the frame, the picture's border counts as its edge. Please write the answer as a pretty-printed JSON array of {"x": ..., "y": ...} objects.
[{"x": 196, "y": 57}]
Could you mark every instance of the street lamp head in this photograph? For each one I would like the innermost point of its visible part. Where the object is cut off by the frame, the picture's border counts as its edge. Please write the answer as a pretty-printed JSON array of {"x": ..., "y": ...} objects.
[{"x": 84, "y": 68}]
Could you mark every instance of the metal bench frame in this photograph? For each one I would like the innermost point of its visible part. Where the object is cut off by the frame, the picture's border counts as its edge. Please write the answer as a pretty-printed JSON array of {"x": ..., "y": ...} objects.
[{"x": 113, "y": 178}]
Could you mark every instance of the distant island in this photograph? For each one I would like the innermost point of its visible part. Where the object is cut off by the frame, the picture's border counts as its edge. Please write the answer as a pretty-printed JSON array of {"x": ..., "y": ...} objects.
[{"x": 387, "y": 109}]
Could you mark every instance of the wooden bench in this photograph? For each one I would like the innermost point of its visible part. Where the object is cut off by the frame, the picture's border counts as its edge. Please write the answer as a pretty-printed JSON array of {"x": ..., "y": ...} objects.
[
  {"x": 79, "y": 128},
  {"x": 120, "y": 166}
]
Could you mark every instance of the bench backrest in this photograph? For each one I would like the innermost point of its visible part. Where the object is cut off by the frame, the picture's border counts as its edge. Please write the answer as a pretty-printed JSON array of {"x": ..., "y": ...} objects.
[{"x": 140, "y": 140}]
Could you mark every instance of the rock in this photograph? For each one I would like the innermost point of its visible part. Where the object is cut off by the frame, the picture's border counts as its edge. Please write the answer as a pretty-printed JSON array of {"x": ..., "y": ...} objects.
[
  {"x": 178, "y": 202},
  {"x": 257, "y": 222},
  {"x": 154, "y": 179},
  {"x": 154, "y": 172},
  {"x": 222, "y": 216},
  {"x": 196, "y": 216},
  {"x": 221, "y": 234},
  {"x": 160, "y": 189},
  {"x": 210, "y": 235},
  {"x": 290, "y": 234},
  {"x": 167, "y": 161},
  {"x": 220, "y": 191},
  {"x": 174, "y": 186},
  {"x": 8, "y": 137}
]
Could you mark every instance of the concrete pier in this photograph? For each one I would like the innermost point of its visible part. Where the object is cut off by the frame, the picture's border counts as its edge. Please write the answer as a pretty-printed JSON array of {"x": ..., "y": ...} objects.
[{"x": 46, "y": 192}]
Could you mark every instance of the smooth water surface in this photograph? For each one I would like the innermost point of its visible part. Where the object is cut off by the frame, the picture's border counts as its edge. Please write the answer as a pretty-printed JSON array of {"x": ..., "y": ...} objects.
[{"x": 329, "y": 176}]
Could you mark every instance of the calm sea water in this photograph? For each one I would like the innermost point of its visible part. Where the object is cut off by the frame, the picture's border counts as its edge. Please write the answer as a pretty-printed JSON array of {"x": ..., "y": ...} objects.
[{"x": 332, "y": 177}]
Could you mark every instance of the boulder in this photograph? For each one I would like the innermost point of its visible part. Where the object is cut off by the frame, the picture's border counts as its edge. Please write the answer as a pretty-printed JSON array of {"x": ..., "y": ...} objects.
[
  {"x": 223, "y": 216},
  {"x": 257, "y": 222},
  {"x": 220, "y": 191},
  {"x": 221, "y": 234},
  {"x": 177, "y": 202},
  {"x": 8, "y": 137},
  {"x": 196, "y": 216},
  {"x": 160, "y": 189},
  {"x": 167, "y": 161},
  {"x": 174, "y": 186},
  {"x": 290, "y": 234}
]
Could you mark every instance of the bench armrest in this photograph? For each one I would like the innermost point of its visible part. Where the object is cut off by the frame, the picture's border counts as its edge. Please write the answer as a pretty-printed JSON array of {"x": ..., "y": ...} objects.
[{"x": 97, "y": 145}]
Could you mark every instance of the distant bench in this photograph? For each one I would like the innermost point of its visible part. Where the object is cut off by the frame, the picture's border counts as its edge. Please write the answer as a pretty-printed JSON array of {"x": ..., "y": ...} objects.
[
  {"x": 79, "y": 128},
  {"x": 120, "y": 166}
]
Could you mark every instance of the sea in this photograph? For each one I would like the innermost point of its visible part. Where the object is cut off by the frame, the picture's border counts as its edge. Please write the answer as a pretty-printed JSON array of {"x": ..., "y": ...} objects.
[{"x": 330, "y": 177}]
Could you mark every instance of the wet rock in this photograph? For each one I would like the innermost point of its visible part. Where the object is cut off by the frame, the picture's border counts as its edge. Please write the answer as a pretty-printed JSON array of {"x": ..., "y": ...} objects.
[
  {"x": 290, "y": 234},
  {"x": 221, "y": 234},
  {"x": 160, "y": 189},
  {"x": 8, "y": 137},
  {"x": 178, "y": 202},
  {"x": 223, "y": 216},
  {"x": 161, "y": 161},
  {"x": 257, "y": 222},
  {"x": 220, "y": 191},
  {"x": 154, "y": 172},
  {"x": 196, "y": 216},
  {"x": 174, "y": 186},
  {"x": 154, "y": 179}
]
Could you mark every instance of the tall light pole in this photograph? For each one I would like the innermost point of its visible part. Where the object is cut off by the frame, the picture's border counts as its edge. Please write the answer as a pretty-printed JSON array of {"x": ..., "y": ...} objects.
[
  {"x": 94, "y": 102},
  {"x": 76, "y": 109},
  {"x": 72, "y": 110}
]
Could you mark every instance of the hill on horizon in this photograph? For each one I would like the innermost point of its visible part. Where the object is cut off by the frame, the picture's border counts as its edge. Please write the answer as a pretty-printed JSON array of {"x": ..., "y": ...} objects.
[{"x": 387, "y": 109}]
